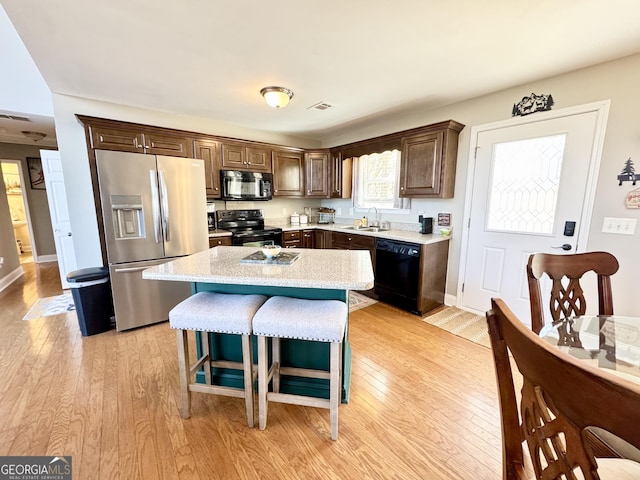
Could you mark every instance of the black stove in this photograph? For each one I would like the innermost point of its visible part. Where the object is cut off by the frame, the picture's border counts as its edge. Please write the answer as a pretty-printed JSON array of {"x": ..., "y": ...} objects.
[{"x": 248, "y": 228}]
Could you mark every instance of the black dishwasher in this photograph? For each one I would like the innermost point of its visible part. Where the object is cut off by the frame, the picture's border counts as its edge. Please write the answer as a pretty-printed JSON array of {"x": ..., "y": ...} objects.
[{"x": 397, "y": 273}]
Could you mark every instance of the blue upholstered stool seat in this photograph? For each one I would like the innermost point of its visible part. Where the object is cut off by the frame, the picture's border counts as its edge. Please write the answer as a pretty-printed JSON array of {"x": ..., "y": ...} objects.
[
  {"x": 302, "y": 319},
  {"x": 210, "y": 312}
]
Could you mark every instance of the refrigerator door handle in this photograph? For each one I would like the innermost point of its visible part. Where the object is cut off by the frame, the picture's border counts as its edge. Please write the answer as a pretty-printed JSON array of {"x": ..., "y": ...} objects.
[
  {"x": 165, "y": 206},
  {"x": 129, "y": 269},
  {"x": 155, "y": 204}
]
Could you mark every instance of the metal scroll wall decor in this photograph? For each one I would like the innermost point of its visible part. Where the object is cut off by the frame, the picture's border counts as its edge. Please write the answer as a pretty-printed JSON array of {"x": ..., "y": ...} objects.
[{"x": 531, "y": 104}]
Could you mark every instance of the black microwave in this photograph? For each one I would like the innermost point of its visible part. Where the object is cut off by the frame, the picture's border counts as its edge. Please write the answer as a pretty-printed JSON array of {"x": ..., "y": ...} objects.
[{"x": 237, "y": 185}]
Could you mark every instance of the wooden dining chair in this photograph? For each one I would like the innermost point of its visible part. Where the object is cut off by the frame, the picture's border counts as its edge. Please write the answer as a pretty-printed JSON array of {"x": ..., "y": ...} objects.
[
  {"x": 567, "y": 297},
  {"x": 560, "y": 398}
]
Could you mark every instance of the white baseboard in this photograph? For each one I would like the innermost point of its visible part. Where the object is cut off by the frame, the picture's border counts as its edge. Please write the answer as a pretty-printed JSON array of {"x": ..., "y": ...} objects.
[
  {"x": 12, "y": 277},
  {"x": 46, "y": 258},
  {"x": 450, "y": 300}
]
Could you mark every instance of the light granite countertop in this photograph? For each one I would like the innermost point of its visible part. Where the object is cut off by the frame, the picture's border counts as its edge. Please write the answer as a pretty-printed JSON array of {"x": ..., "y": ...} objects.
[
  {"x": 323, "y": 269},
  {"x": 393, "y": 234}
]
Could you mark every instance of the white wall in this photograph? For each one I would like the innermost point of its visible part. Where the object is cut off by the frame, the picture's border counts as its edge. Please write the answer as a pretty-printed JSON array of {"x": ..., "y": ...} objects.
[{"x": 617, "y": 81}]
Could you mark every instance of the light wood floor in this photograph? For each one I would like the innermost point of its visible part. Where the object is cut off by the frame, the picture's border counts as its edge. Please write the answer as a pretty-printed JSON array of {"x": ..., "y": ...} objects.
[{"x": 423, "y": 404}]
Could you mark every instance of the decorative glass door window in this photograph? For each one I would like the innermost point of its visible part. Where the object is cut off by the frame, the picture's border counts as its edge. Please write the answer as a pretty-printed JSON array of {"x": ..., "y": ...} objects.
[{"x": 524, "y": 185}]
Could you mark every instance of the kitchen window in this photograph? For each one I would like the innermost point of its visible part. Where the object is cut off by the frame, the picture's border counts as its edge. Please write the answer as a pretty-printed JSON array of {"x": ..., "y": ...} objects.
[{"x": 376, "y": 181}]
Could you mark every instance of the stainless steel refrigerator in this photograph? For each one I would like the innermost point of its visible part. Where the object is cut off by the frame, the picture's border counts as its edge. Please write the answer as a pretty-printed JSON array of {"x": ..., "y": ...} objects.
[{"x": 153, "y": 209}]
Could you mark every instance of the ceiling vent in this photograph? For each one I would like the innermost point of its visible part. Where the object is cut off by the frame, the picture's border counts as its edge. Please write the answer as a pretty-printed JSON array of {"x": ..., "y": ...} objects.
[
  {"x": 14, "y": 117},
  {"x": 319, "y": 106}
]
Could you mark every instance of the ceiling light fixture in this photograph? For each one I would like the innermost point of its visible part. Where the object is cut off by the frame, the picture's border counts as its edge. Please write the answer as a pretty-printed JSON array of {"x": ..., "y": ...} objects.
[
  {"x": 276, "y": 97},
  {"x": 35, "y": 136}
]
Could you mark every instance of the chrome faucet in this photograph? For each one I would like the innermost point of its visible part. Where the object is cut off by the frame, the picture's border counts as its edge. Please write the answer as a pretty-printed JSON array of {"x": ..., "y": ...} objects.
[{"x": 375, "y": 223}]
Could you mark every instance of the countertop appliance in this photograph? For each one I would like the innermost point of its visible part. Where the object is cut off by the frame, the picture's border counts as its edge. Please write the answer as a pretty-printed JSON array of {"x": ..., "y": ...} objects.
[
  {"x": 397, "y": 273},
  {"x": 211, "y": 216},
  {"x": 238, "y": 185},
  {"x": 153, "y": 210},
  {"x": 248, "y": 228}
]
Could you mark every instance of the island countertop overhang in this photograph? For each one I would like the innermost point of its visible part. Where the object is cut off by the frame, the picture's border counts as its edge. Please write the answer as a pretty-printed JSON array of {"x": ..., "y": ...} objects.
[{"x": 315, "y": 268}]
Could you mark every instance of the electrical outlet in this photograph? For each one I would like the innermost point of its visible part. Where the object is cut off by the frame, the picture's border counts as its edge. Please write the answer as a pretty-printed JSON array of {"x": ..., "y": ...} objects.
[
  {"x": 621, "y": 226},
  {"x": 1, "y": 262},
  {"x": 338, "y": 211},
  {"x": 284, "y": 212},
  {"x": 351, "y": 212}
]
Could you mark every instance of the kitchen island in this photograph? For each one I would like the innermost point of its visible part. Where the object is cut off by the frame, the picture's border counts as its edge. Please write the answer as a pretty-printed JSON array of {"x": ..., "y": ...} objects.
[{"x": 316, "y": 274}]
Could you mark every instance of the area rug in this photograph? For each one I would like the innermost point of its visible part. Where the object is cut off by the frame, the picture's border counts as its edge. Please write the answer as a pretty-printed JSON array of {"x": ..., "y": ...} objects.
[
  {"x": 358, "y": 301},
  {"x": 48, "y": 306},
  {"x": 461, "y": 323}
]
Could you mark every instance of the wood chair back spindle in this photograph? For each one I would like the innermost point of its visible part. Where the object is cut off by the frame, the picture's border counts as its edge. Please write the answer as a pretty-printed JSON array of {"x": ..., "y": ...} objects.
[{"x": 567, "y": 297}]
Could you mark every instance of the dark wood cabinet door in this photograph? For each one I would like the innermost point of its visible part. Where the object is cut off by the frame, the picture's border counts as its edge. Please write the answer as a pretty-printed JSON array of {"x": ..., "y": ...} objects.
[
  {"x": 258, "y": 159},
  {"x": 244, "y": 156},
  {"x": 159, "y": 144},
  {"x": 421, "y": 165},
  {"x": 234, "y": 156},
  {"x": 317, "y": 174},
  {"x": 209, "y": 151},
  {"x": 122, "y": 140},
  {"x": 292, "y": 239},
  {"x": 308, "y": 240},
  {"x": 340, "y": 175},
  {"x": 125, "y": 140},
  {"x": 321, "y": 239},
  {"x": 335, "y": 175},
  {"x": 288, "y": 174},
  {"x": 428, "y": 163},
  {"x": 218, "y": 241}
]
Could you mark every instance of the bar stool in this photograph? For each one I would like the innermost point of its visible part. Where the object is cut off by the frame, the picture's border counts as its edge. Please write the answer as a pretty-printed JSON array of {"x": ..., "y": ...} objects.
[
  {"x": 295, "y": 318},
  {"x": 220, "y": 313}
]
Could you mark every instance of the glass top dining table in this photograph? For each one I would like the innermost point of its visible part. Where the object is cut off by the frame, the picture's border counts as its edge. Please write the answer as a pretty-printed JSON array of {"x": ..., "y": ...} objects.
[{"x": 607, "y": 342}]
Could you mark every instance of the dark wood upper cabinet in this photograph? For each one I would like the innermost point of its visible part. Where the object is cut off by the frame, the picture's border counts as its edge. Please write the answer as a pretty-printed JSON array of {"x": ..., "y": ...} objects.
[
  {"x": 209, "y": 151},
  {"x": 139, "y": 141},
  {"x": 317, "y": 173},
  {"x": 428, "y": 161},
  {"x": 288, "y": 173},
  {"x": 247, "y": 157},
  {"x": 340, "y": 175},
  {"x": 428, "y": 158}
]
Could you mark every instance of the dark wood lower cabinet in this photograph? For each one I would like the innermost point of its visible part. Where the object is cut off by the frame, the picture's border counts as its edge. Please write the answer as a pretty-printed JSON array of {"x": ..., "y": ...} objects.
[
  {"x": 308, "y": 239},
  {"x": 350, "y": 241},
  {"x": 218, "y": 241},
  {"x": 292, "y": 239}
]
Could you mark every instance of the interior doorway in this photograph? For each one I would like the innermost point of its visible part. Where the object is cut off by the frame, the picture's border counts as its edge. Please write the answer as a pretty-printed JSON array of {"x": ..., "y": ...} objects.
[{"x": 15, "y": 188}]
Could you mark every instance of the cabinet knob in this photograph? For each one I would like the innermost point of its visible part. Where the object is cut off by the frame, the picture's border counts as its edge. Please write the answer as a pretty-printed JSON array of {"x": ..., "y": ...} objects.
[{"x": 401, "y": 188}]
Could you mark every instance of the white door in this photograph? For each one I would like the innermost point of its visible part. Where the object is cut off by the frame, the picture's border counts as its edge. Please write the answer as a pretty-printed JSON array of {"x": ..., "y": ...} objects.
[
  {"x": 57, "y": 198},
  {"x": 531, "y": 180}
]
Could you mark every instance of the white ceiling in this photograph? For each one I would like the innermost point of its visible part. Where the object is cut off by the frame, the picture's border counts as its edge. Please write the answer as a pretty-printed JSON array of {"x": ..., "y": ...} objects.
[{"x": 364, "y": 57}]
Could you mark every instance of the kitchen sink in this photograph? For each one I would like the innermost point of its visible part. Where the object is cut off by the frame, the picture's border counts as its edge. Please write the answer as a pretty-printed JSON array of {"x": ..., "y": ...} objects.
[{"x": 366, "y": 229}]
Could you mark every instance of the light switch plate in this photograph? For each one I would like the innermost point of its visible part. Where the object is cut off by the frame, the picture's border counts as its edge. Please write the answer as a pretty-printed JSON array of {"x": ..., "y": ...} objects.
[{"x": 622, "y": 226}]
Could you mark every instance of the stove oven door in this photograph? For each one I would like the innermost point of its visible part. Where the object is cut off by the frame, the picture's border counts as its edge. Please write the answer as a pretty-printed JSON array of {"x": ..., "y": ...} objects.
[{"x": 257, "y": 238}]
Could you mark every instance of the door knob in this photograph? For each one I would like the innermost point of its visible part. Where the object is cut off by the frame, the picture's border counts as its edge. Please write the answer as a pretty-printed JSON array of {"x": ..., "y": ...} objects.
[
  {"x": 565, "y": 246},
  {"x": 68, "y": 234}
]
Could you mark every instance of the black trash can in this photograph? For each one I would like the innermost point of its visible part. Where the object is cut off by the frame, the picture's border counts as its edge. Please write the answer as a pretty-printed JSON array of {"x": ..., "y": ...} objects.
[{"x": 91, "y": 291}]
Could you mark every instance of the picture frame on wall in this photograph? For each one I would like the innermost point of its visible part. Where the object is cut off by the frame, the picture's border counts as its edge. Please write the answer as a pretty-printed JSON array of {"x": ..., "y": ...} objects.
[{"x": 36, "y": 174}]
